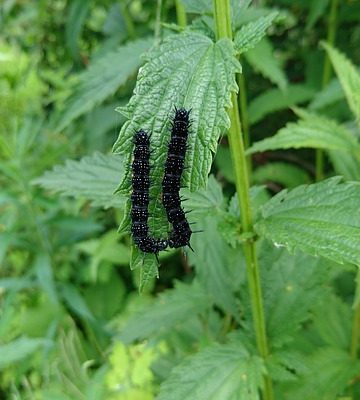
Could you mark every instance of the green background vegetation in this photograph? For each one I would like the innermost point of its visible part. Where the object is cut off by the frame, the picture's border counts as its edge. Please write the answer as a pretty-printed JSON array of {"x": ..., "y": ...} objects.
[{"x": 268, "y": 305}]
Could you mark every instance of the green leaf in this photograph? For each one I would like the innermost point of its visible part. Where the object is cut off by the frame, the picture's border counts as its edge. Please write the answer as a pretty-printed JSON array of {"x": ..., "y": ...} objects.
[
  {"x": 250, "y": 34},
  {"x": 104, "y": 76},
  {"x": 216, "y": 265},
  {"x": 317, "y": 9},
  {"x": 75, "y": 20},
  {"x": 197, "y": 6},
  {"x": 330, "y": 94},
  {"x": 44, "y": 273},
  {"x": 275, "y": 100},
  {"x": 287, "y": 175},
  {"x": 311, "y": 131},
  {"x": 320, "y": 219},
  {"x": 329, "y": 372},
  {"x": 172, "y": 307},
  {"x": 334, "y": 325},
  {"x": 262, "y": 59},
  {"x": 93, "y": 178},
  {"x": 218, "y": 372},
  {"x": 346, "y": 164},
  {"x": 291, "y": 286},
  {"x": 75, "y": 301},
  {"x": 18, "y": 350},
  {"x": 348, "y": 76},
  {"x": 188, "y": 70}
]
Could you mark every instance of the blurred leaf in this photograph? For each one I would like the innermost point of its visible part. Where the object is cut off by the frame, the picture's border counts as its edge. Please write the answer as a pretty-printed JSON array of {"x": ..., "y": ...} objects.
[
  {"x": 334, "y": 326},
  {"x": 44, "y": 273},
  {"x": 78, "y": 11},
  {"x": 311, "y": 131},
  {"x": 171, "y": 308},
  {"x": 224, "y": 163},
  {"x": 320, "y": 219},
  {"x": 93, "y": 178},
  {"x": 250, "y": 34},
  {"x": 75, "y": 301},
  {"x": 288, "y": 175},
  {"x": 275, "y": 100},
  {"x": 329, "y": 372},
  {"x": 205, "y": 201},
  {"x": 19, "y": 349},
  {"x": 224, "y": 371},
  {"x": 105, "y": 299},
  {"x": 317, "y": 10},
  {"x": 216, "y": 265},
  {"x": 263, "y": 60},
  {"x": 348, "y": 76},
  {"x": 292, "y": 285},
  {"x": 198, "y": 6},
  {"x": 346, "y": 164},
  {"x": 330, "y": 94},
  {"x": 103, "y": 77}
]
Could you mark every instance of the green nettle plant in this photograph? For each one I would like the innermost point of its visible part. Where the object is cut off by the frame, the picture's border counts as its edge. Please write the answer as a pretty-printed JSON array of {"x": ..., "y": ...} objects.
[{"x": 261, "y": 317}]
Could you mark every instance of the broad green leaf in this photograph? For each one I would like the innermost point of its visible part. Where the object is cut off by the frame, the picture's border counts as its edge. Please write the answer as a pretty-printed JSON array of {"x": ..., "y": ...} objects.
[
  {"x": 104, "y": 76},
  {"x": 19, "y": 349},
  {"x": 188, "y": 70},
  {"x": 275, "y": 100},
  {"x": 320, "y": 219},
  {"x": 262, "y": 59},
  {"x": 93, "y": 178},
  {"x": 224, "y": 371},
  {"x": 329, "y": 372},
  {"x": 288, "y": 175},
  {"x": 171, "y": 308},
  {"x": 250, "y": 34},
  {"x": 311, "y": 131},
  {"x": 348, "y": 76}
]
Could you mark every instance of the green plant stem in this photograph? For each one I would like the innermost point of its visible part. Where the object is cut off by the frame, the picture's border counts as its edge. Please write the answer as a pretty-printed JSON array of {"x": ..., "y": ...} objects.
[
  {"x": 180, "y": 14},
  {"x": 331, "y": 34},
  {"x": 223, "y": 30},
  {"x": 355, "y": 333}
]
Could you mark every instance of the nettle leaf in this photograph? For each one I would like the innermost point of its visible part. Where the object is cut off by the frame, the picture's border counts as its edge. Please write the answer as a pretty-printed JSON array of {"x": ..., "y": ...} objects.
[
  {"x": 171, "y": 308},
  {"x": 312, "y": 131},
  {"x": 188, "y": 70},
  {"x": 320, "y": 219},
  {"x": 104, "y": 76},
  {"x": 348, "y": 77},
  {"x": 330, "y": 94},
  {"x": 225, "y": 371},
  {"x": 250, "y": 34},
  {"x": 288, "y": 175},
  {"x": 275, "y": 100},
  {"x": 262, "y": 59},
  {"x": 93, "y": 178},
  {"x": 329, "y": 372},
  {"x": 291, "y": 287}
]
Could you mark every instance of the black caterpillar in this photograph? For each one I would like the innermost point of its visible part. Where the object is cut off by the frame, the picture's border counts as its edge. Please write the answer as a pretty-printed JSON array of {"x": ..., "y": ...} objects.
[
  {"x": 140, "y": 196},
  {"x": 174, "y": 166}
]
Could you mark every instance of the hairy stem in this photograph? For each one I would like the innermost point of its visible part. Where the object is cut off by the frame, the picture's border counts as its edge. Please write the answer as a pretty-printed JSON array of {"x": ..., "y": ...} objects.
[
  {"x": 331, "y": 33},
  {"x": 223, "y": 30},
  {"x": 180, "y": 14}
]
